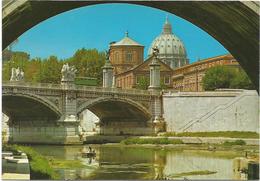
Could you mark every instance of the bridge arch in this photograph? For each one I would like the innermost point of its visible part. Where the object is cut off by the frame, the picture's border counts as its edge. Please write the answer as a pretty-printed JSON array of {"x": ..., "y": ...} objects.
[
  {"x": 97, "y": 107},
  {"x": 28, "y": 107},
  {"x": 234, "y": 24},
  {"x": 119, "y": 116}
]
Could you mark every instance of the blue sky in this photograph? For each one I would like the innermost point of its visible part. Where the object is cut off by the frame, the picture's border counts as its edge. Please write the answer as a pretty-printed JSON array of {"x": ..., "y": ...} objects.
[{"x": 96, "y": 26}]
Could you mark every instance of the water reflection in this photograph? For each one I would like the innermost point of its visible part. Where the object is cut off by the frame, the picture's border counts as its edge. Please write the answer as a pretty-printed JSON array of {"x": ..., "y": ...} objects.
[{"x": 114, "y": 162}]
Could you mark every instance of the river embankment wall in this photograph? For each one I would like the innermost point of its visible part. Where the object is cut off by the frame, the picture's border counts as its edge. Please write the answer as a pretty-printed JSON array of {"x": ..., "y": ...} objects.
[{"x": 222, "y": 110}]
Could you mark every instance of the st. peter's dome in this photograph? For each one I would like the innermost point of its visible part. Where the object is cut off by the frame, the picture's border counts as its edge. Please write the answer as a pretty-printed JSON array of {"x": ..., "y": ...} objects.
[{"x": 171, "y": 48}]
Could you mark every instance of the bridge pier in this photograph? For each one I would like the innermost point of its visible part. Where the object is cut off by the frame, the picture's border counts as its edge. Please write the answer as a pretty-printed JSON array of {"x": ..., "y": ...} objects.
[
  {"x": 44, "y": 132},
  {"x": 158, "y": 121},
  {"x": 125, "y": 127}
]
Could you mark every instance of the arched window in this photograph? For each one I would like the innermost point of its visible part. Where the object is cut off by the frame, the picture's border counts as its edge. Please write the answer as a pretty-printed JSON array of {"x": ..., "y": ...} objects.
[{"x": 129, "y": 56}]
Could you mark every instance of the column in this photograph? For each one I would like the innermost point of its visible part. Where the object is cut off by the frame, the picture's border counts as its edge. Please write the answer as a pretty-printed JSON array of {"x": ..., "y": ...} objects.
[
  {"x": 68, "y": 126},
  {"x": 158, "y": 121},
  {"x": 154, "y": 72}
]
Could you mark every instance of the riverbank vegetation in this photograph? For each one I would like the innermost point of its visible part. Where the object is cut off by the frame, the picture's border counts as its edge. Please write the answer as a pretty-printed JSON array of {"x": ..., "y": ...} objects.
[
  {"x": 39, "y": 165},
  {"x": 228, "y": 134},
  {"x": 57, "y": 163},
  {"x": 199, "y": 172},
  {"x": 159, "y": 141},
  {"x": 232, "y": 143}
]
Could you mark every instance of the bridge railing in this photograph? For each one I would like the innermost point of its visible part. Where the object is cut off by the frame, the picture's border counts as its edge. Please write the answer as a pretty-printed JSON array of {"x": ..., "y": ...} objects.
[
  {"x": 76, "y": 87},
  {"x": 31, "y": 84},
  {"x": 114, "y": 90}
]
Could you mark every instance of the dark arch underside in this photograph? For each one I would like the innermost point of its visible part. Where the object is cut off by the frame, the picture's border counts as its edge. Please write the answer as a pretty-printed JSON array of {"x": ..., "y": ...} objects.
[
  {"x": 118, "y": 111},
  {"x": 19, "y": 108}
]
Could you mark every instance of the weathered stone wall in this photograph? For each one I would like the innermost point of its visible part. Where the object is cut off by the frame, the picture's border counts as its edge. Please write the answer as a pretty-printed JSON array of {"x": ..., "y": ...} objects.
[
  {"x": 114, "y": 127},
  {"x": 64, "y": 133},
  {"x": 234, "y": 110},
  {"x": 125, "y": 128}
]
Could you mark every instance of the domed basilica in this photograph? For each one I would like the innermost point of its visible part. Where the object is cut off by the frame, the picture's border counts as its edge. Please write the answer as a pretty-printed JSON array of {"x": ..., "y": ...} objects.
[
  {"x": 131, "y": 70},
  {"x": 171, "y": 48}
]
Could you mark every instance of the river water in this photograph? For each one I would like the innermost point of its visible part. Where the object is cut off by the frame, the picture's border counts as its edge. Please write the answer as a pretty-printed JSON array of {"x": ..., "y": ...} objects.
[{"x": 122, "y": 162}]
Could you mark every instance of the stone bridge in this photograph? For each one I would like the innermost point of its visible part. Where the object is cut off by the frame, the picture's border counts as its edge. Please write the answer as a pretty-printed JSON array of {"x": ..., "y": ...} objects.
[
  {"x": 234, "y": 24},
  {"x": 48, "y": 113}
]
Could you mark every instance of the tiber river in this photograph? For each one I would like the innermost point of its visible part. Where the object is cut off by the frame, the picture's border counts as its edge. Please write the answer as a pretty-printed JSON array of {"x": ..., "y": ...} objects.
[{"x": 122, "y": 162}]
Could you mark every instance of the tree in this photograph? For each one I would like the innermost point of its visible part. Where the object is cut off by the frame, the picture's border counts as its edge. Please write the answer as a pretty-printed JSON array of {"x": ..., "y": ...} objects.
[
  {"x": 241, "y": 81},
  {"x": 162, "y": 84},
  {"x": 226, "y": 77},
  {"x": 32, "y": 70},
  {"x": 89, "y": 63},
  {"x": 143, "y": 83},
  {"x": 49, "y": 70}
]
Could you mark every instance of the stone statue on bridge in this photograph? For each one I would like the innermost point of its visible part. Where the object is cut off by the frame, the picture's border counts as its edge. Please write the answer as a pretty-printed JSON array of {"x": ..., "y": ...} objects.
[
  {"x": 68, "y": 73},
  {"x": 108, "y": 55},
  {"x": 17, "y": 74},
  {"x": 155, "y": 51}
]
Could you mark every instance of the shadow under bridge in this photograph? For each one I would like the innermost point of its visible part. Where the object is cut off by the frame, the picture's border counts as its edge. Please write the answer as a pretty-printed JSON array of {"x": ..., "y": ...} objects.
[{"x": 119, "y": 116}]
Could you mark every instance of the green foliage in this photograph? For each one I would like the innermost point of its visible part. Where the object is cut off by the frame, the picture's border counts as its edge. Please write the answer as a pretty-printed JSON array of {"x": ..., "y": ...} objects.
[
  {"x": 162, "y": 84},
  {"x": 39, "y": 165},
  {"x": 74, "y": 164},
  {"x": 199, "y": 172},
  {"x": 88, "y": 63},
  {"x": 236, "y": 142},
  {"x": 226, "y": 77},
  {"x": 159, "y": 141},
  {"x": 4, "y": 133},
  {"x": 6, "y": 54},
  {"x": 229, "y": 134},
  {"x": 86, "y": 81},
  {"x": 241, "y": 81},
  {"x": 17, "y": 59},
  {"x": 49, "y": 70},
  {"x": 143, "y": 83},
  {"x": 217, "y": 77}
]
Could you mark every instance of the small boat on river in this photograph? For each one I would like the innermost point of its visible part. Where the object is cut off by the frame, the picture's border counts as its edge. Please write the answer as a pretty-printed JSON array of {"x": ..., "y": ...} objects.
[{"x": 88, "y": 154}]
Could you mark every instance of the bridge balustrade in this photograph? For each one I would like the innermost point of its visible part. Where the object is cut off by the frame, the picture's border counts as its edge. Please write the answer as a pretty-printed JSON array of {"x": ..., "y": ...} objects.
[{"x": 76, "y": 87}]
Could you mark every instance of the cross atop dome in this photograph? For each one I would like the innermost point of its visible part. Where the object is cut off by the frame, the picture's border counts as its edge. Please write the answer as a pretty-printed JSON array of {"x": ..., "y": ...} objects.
[
  {"x": 167, "y": 27},
  {"x": 167, "y": 19}
]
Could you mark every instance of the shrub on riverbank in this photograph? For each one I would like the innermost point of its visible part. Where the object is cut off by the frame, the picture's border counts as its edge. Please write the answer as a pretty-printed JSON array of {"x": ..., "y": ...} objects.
[
  {"x": 39, "y": 165},
  {"x": 199, "y": 172},
  {"x": 229, "y": 134},
  {"x": 159, "y": 141},
  {"x": 236, "y": 142},
  {"x": 66, "y": 164}
]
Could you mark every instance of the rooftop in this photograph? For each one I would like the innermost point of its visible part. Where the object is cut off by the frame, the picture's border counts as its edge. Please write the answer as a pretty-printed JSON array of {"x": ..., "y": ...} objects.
[{"x": 126, "y": 41}]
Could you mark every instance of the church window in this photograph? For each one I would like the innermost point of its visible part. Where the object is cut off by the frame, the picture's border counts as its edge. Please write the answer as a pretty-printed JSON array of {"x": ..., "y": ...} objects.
[
  {"x": 116, "y": 56},
  {"x": 129, "y": 56},
  {"x": 167, "y": 80}
]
